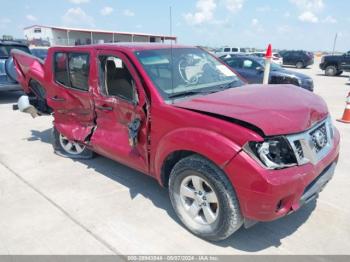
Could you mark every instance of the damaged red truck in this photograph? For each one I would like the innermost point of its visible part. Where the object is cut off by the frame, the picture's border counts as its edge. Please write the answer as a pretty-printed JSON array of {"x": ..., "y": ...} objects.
[{"x": 230, "y": 154}]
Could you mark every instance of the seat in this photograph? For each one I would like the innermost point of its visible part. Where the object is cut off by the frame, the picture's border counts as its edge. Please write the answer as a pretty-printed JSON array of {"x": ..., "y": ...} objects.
[{"x": 119, "y": 81}]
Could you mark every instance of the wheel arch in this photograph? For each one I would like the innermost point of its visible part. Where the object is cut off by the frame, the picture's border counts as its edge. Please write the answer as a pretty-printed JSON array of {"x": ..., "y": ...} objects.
[
  {"x": 181, "y": 143},
  {"x": 37, "y": 94},
  {"x": 332, "y": 63}
]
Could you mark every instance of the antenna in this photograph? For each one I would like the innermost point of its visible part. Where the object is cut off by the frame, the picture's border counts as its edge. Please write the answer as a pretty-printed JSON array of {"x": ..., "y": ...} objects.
[{"x": 171, "y": 51}]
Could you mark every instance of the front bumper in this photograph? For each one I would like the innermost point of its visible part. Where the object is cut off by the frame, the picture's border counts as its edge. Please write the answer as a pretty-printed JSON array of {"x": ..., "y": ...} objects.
[{"x": 266, "y": 195}]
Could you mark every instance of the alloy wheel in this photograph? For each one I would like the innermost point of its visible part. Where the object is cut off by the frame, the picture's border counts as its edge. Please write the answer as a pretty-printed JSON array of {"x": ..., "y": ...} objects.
[
  {"x": 199, "y": 200},
  {"x": 69, "y": 146}
]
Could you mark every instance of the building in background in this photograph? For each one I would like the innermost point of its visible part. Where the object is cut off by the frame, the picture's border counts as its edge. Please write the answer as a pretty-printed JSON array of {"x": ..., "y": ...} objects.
[{"x": 40, "y": 35}]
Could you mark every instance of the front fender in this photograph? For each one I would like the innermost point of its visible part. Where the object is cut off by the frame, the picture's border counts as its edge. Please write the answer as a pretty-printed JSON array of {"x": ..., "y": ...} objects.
[{"x": 211, "y": 145}]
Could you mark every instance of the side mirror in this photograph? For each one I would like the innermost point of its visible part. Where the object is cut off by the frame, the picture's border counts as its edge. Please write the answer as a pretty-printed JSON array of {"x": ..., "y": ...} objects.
[{"x": 260, "y": 69}]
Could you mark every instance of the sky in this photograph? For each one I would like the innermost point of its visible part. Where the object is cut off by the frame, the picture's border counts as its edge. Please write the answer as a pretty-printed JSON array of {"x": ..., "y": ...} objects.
[{"x": 286, "y": 24}]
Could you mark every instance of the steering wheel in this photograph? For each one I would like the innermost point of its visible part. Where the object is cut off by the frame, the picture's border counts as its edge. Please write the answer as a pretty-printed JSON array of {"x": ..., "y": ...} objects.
[{"x": 183, "y": 62}]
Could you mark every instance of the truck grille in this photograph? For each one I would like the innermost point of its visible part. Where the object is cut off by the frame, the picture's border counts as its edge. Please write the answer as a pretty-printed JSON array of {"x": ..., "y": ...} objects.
[
  {"x": 314, "y": 144},
  {"x": 299, "y": 149},
  {"x": 319, "y": 138}
]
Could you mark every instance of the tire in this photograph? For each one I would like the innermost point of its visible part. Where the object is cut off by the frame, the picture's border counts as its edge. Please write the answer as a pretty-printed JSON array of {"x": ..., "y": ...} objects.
[
  {"x": 61, "y": 147},
  {"x": 300, "y": 65},
  {"x": 198, "y": 185},
  {"x": 330, "y": 70},
  {"x": 339, "y": 73},
  {"x": 38, "y": 95}
]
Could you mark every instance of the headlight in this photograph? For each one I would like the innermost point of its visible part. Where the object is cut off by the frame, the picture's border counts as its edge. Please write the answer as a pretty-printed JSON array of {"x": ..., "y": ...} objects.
[
  {"x": 273, "y": 153},
  {"x": 300, "y": 82}
]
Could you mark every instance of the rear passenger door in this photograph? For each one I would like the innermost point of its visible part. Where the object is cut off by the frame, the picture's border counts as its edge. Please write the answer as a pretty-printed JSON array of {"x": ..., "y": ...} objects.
[
  {"x": 69, "y": 95},
  {"x": 287, "y": 58}
]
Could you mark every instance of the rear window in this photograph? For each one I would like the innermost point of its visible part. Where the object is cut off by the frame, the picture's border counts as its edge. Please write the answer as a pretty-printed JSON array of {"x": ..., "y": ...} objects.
[
  {"x": 5, "y": 50},
  {"x": 72, "y": 70}
]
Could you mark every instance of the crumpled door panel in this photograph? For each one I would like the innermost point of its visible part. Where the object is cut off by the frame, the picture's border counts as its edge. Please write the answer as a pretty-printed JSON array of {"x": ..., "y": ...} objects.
[{"x": 74, "y": 131}]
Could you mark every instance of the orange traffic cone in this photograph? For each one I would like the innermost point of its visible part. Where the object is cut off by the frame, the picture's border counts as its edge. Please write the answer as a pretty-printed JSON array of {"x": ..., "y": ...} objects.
[{"x": 346, "y": 115}]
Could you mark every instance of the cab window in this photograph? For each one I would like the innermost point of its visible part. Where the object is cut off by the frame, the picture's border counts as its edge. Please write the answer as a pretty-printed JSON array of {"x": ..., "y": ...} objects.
[
  {"x": 115, "y": 78},
  {"x": 79, "y": 71},
  {"x": 72, "y": 70},
  {"x": 61, "y": 72}
]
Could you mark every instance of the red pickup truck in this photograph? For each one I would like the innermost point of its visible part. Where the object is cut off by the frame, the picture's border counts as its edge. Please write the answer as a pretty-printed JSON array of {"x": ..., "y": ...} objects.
[{"x": 231, "y": 154}]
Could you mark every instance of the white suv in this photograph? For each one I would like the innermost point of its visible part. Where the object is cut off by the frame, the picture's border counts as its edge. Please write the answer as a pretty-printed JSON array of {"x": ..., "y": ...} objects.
[
  {"x": 231, "y": 50},
  {"x": 276, "y": 57}
]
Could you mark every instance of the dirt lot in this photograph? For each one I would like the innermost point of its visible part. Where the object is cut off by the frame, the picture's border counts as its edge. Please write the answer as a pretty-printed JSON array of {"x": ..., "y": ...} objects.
[{"x": 53, "y": 205}]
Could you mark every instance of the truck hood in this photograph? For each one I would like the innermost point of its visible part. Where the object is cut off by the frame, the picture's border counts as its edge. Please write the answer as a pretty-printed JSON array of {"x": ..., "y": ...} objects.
[
  {"x": 290, "y": 73},
  {"x": 275, "y": 109}
]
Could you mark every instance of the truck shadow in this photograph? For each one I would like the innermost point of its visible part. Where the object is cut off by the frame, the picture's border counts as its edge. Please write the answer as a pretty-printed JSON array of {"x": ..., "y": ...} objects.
[
  {"x": 257, "y": 238},
  {"x": 341, "y": 76},
  {"x": 269, "y": 234}
]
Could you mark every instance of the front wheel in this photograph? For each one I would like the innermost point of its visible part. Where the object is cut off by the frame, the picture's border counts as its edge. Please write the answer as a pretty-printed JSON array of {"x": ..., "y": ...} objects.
[
  {"x": 68, "y": 148},
  {"x": 300, "y": 65},
  {"x": 331, "y": 70},
  {"x": 203, "y": 199}
]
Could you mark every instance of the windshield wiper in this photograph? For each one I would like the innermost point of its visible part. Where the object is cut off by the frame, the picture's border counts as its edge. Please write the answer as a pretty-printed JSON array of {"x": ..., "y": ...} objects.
[
  {"x": 225, "y": 86},
  {"x": 214, "y": 90},
  {"x": 188, "y": 93}
]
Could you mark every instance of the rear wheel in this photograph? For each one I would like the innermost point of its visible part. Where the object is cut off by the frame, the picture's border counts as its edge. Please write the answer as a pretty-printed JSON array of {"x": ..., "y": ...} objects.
[
  {"x": 331, "y": 70},
  {"x": 204, "y": 199},
  {"x": 68, "y": 148},
  {"x": 300, "y": 65}
]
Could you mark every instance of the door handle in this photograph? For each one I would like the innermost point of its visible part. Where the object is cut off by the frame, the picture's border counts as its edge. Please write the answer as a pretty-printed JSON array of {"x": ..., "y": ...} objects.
[
  {"x": 58, "y": 99},
  {"x": 105, "y": 108}
]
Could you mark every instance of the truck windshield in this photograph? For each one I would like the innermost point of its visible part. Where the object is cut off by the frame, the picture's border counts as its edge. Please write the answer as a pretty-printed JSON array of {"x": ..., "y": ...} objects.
[{"x": 186, "y": 71}]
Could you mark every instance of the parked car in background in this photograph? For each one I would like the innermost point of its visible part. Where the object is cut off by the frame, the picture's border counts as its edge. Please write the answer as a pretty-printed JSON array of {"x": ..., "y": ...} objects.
[
  {"x": 252, "y": 69},
  {"x": 335, "y": 65},
  {"x": 300, "y": 59},
  {"x": 231, "y": 50},
  {"x": 40, "y": 52},
  {"x": 276, "y": 57},
  {"x": 8, "y": 76},
  {"x": 230, "y": 155},
  {"x": 231, "y": 55}
]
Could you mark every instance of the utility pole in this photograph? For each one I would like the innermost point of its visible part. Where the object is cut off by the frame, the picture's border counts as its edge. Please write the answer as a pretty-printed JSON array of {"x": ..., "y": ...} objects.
[{"x": 335, "y": 42}]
